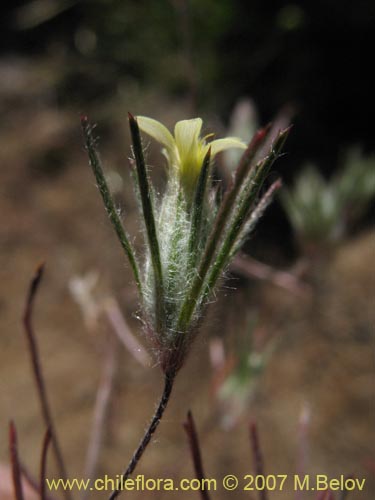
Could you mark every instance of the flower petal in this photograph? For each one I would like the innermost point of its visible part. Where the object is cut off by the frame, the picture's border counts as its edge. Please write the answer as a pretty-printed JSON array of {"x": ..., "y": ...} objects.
[
  {"x": 222, "y": 144},
  {"x": 156, "y": 130},
  {"x": 186, "y": 133}
]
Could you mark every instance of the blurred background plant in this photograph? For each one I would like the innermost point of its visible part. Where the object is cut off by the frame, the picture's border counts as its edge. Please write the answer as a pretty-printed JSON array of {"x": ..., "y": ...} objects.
[
  {"x": 237, "y": 369},
  {"x": 322, "y": 212}
]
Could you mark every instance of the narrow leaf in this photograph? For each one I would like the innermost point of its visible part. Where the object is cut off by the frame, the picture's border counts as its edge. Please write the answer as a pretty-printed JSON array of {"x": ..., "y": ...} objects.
[
  {"x": 256, "y": 214},
  {"x": 97, "y": 169},
  {"x": 242, "y": 213},
  {"x": 148, "y": 215},
  {"x": 198, "y": 205},
  {"x": 226, "y": 208}
]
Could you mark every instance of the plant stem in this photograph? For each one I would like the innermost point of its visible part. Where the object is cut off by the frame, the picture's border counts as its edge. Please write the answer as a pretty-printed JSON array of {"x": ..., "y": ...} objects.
[
  {"x": 15, "y": 463},
  {"x": 38, "y": 375},
  {"x": 192, "y": 434},
  {"x": 258, "y": 457},
  {"x": 168, "y": 386},
  {"x": 288, "y": 279},
  {"x": 43, "y": 464},
  {"x": 101, "y": 408},
  {"x": 33, "y": 482},
  {"x": 123, "y": 331}
]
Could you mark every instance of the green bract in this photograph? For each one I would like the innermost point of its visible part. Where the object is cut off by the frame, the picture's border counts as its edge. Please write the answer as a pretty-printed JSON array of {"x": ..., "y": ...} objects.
[{"x": 190, "y": 237}]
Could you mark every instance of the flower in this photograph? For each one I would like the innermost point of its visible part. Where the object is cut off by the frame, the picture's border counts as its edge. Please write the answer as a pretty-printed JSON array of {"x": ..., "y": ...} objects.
[
  {"x": 186, "y": 150},
  {"x": 191, "y": 235}
]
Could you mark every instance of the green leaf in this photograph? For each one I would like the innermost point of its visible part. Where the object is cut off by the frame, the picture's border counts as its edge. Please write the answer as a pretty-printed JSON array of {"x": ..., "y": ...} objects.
[
  {"x": 97, "y": 169},
  {"x": 148, "y": 215}
]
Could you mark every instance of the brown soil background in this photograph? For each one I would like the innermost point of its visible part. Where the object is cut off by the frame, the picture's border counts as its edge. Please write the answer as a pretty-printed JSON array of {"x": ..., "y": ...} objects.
[{"x": 323, "y": 350}]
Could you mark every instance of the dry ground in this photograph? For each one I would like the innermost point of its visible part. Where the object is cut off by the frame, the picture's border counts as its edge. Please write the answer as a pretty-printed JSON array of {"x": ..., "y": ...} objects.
[{"x": 323, "y": 357}]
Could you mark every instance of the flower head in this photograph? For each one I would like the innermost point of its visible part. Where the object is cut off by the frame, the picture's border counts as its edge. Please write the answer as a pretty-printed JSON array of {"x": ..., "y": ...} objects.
[
  {"x": 191, "y": 235},
  {"x": 186, "y": 150}
]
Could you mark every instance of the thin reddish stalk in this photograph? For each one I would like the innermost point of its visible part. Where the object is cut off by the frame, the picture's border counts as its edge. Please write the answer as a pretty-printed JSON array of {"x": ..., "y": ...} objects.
[
  {"x": 16, "y": 469},
  {"x": 38, "y": 375},
  {"x": 284, "y": 279},
  {"x": 344, "y": 494},
  {"x": 123, "y": 331},
  {"x": 33, "y": 482},
  {"x": 303, "y": 446},
  {"x": 102, "y": 403},
  {"x": 325, "y": 495},
  {"x": 43, "y": 464},
  {"x": 258, "y": 457},
  {"x": 195, "y": 450}
]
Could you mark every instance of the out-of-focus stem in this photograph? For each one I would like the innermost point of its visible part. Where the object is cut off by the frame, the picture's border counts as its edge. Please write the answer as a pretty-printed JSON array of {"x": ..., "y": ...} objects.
[
  {"x": 16, "y": 469},
  {"x": 38, "y": 375},
  {"x": 102, "y": 402},
  {"x": 258, "y": 457},
  {"x": 43, "y": 465},
  {"x": 192, "y": 434}
]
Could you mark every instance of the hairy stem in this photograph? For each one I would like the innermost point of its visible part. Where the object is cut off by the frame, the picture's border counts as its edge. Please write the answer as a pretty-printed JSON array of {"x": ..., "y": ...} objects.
[{"x": 168, "y": 386}]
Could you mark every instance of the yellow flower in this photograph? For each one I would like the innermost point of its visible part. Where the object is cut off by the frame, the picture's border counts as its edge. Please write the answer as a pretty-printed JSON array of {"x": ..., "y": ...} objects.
[{"x": 185, "y": 151}]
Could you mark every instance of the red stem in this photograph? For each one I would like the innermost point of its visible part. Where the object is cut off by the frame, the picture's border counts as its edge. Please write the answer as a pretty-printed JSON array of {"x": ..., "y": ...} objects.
[
  {"x": 38, "y": 375},
  {"x": 258, "y": 457},
  {"x": 16, "y": 469},
  {"x": 43, "y": 464},
  {"x": 192, "y": 434}
]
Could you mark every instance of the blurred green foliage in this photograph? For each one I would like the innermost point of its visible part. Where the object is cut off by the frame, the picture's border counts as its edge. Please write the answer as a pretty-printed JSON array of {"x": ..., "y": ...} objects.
[
  {"x": 213, "y": 53},
  {"x": 250, "y": 361},
  {"x": 169, "y": 44},
  {"x": 321, "y": 211}
]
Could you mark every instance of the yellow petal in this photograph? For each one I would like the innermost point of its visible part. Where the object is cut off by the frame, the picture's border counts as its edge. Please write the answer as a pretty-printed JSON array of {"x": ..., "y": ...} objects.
[
  {"x": 186, "y": 133},
  {"x": 157, "y": 130},
  {"x": 222, "y": 144}
]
